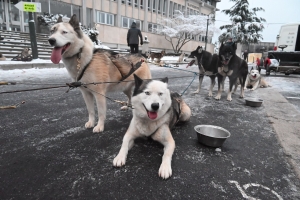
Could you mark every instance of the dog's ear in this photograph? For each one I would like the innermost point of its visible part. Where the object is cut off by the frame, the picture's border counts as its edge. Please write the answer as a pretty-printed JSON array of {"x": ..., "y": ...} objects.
[
  {"x": 234, "y": 45},
  {"x": 222, "y": 45},
  {"x": 137, "y": 80},
  {"x": 59, "y": 19},
  {"x": 165, "y": 80},
  {"x": 251, "y": 69},
  {"x": 75, "y": 24}
]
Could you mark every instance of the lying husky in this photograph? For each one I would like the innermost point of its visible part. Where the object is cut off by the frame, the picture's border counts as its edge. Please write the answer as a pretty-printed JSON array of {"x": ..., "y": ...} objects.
[
  {"x": 87, "y": 66},
  {"x": 229, "y": 64},
  {"x": 255, "y": 80},
  {"x": 156, "y": 55},
  {"x": 156, "y": 111},
  {"x": 207, "y": 64}
]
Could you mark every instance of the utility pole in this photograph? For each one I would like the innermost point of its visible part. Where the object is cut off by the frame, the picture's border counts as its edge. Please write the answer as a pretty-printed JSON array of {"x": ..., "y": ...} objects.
[
  {"x": 32, "y": 34},
  {"x": 206, "y": 32}
]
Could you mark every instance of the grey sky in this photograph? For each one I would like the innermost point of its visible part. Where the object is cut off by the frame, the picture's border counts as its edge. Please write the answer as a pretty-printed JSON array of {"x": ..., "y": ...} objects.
[{"x": 277, "y": 13}]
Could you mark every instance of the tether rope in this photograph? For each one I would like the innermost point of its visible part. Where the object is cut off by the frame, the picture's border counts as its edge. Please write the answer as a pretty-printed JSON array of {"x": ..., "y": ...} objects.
[{"x": 79, "y": 84}]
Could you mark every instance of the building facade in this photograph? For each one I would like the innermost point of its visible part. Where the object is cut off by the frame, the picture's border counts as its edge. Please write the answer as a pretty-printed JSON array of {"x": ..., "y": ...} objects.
[{"x": 114, "y": 17}]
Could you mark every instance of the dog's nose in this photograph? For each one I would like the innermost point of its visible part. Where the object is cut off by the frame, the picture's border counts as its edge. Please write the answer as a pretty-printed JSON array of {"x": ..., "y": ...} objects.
[
  {"x": 52, "y": 41},
  {"x": 155, "y": 106}
]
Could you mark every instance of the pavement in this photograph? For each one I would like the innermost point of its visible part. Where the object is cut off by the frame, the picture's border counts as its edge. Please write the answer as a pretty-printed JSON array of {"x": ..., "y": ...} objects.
[{"x": 46, "y": 153}]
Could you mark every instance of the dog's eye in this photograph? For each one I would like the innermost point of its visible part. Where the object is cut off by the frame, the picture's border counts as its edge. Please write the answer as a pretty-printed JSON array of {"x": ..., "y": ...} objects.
[
  {"x": 51, "y": 32},
  {"x": 147, "y": 93},
  {"x": 64, "y": 32},
  {"x": 160, "y": 94}
]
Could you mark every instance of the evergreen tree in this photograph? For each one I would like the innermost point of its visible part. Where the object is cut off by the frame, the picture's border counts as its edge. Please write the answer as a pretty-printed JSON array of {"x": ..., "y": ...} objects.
[{"x": 246, "y": 26}]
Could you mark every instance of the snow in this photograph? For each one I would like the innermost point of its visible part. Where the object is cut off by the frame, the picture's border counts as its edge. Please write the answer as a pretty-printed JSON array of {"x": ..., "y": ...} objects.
[
  {"x": 21, "y": 75},
  {"x": 34, "y": 61},
  {"x": 38, "y": 74}
]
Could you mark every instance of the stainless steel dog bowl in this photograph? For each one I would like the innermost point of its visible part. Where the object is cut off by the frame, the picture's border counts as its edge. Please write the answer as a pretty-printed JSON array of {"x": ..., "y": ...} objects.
[
  {"x": 254, "y": 102},
  {"x": 213, "y": 136}
]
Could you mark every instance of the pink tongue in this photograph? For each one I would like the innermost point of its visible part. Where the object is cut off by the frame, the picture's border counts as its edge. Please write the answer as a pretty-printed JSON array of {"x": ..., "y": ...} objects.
[
  {"x": 190, "y": 64},
  {"x": 56, "y": 55},
  {"x": 152, "y": 115}
]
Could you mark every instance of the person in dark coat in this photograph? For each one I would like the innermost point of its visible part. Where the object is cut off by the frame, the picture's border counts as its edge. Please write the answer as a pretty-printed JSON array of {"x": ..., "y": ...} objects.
[
  {"x": 245, "y": 55},
  {"x": 133, "y": 35}
]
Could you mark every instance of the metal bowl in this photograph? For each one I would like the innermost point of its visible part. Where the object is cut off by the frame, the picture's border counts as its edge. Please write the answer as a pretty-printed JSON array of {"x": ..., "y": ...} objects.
[
  {"x": 254, "y": 102},
  {"x": 213, "y": 136}
]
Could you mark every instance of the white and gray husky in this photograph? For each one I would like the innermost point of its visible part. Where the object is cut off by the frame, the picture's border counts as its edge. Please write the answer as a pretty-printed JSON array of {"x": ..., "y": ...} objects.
[
  {"x": 255, "y": 80},
  {"x": 155, "y": 111}
]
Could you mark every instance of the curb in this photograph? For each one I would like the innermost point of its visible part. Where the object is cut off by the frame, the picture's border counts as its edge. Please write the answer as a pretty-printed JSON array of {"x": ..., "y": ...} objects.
[{"x": 285, "y": 119}]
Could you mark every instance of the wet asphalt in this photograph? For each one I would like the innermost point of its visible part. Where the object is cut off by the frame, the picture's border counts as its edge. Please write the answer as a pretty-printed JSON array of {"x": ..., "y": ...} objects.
[{"x": 46, "y": 153}]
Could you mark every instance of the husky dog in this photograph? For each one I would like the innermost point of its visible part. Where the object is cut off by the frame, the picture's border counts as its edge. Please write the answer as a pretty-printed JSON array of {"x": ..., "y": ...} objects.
[
  {"x": 229, "y": 64},
  {"x": 181, "y": 57},
  {"x": 156, "y": 111},
  {"x": 254, "y": 80},
  {"x": 87, "y": 66},
  {"x": 158, "y": 56},
  {"x": 207, "y": 64}
]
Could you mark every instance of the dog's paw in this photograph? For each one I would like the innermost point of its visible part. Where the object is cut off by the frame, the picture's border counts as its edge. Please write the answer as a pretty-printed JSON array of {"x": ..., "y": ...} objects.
[
  {"x": 165, "y": 171},
  {"x": 119, "y": 160},
  {"x": 218, "y": 97},
  {"x": 89, "y": 124},
  {"x": 124, "y": 108},
  {"x": 229, "y": 99},
  {"x": 210, "y": 94},
  {"x": 196, "y": 92},
  {"x": 252, "y": 89},
  {"x": 99, "y": 128}
]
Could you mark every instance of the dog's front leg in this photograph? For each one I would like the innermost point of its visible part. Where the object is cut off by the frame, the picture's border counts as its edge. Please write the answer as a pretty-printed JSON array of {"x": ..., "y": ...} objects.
[
  {"x": 212, "y": 84},
  {"x": 89, "y": 102},
  {"x": 231, "y": 83},
  {"x": 255, "y": 85},
  {"x": 101, "y": 107},
  {"x": 201, "y": 76},
  {"x": 164, "y": 136},
  {"x": 220, "y": 81},
  {"x": 128, "y": 141}
]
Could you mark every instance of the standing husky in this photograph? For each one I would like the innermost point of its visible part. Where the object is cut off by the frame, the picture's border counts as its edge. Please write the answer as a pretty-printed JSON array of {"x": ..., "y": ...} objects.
[
  {"x": 155, "y": 112},
  {"x": 87, "y": 66},
  {"x": 229, "y": 64},
  {"x": 254, "y": 80},
  {"x": 207, "y": 64}
]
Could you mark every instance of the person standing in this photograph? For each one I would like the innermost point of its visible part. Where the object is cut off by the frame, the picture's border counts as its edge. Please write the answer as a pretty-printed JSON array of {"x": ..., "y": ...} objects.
[
  {"x": 133, "y": 35},
  {"x": 267, "y": 65},
  {"x": 245, "y": 55},
  {"x": 258, "y": 64}
]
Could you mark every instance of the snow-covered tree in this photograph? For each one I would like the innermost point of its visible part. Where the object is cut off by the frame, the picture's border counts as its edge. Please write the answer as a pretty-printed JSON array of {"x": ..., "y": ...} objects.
[
  {"x": 181, "y": 29},
  {"x": 246, "y": 26},
  {"x": 50, "y": 19}
]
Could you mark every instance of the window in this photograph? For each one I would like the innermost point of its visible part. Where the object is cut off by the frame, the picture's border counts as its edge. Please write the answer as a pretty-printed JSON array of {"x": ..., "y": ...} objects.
[
  {"x": 126, "y": 23},
  {"x": 105, "y": 18},
  {"x": 154, "y": 28}
]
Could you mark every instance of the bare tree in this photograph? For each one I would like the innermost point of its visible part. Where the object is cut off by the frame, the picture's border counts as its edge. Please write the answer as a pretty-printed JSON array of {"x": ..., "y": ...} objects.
[{"x": 181, "y": 29}]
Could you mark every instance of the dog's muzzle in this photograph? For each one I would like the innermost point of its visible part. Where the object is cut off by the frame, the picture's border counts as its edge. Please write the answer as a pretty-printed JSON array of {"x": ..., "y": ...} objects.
[{"x": 52, "y": 41}]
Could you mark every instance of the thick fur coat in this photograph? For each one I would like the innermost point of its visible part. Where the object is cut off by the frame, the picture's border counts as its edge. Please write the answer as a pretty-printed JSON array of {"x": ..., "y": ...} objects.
[
  {"x": 76, "y": 50},
  {"x": 156, "y": 111}
]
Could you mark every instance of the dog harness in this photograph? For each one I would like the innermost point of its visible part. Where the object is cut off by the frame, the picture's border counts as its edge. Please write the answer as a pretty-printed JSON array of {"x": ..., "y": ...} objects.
[
  {"x": 221, "y": 70},
  {"x": 80, "y": 71}
]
